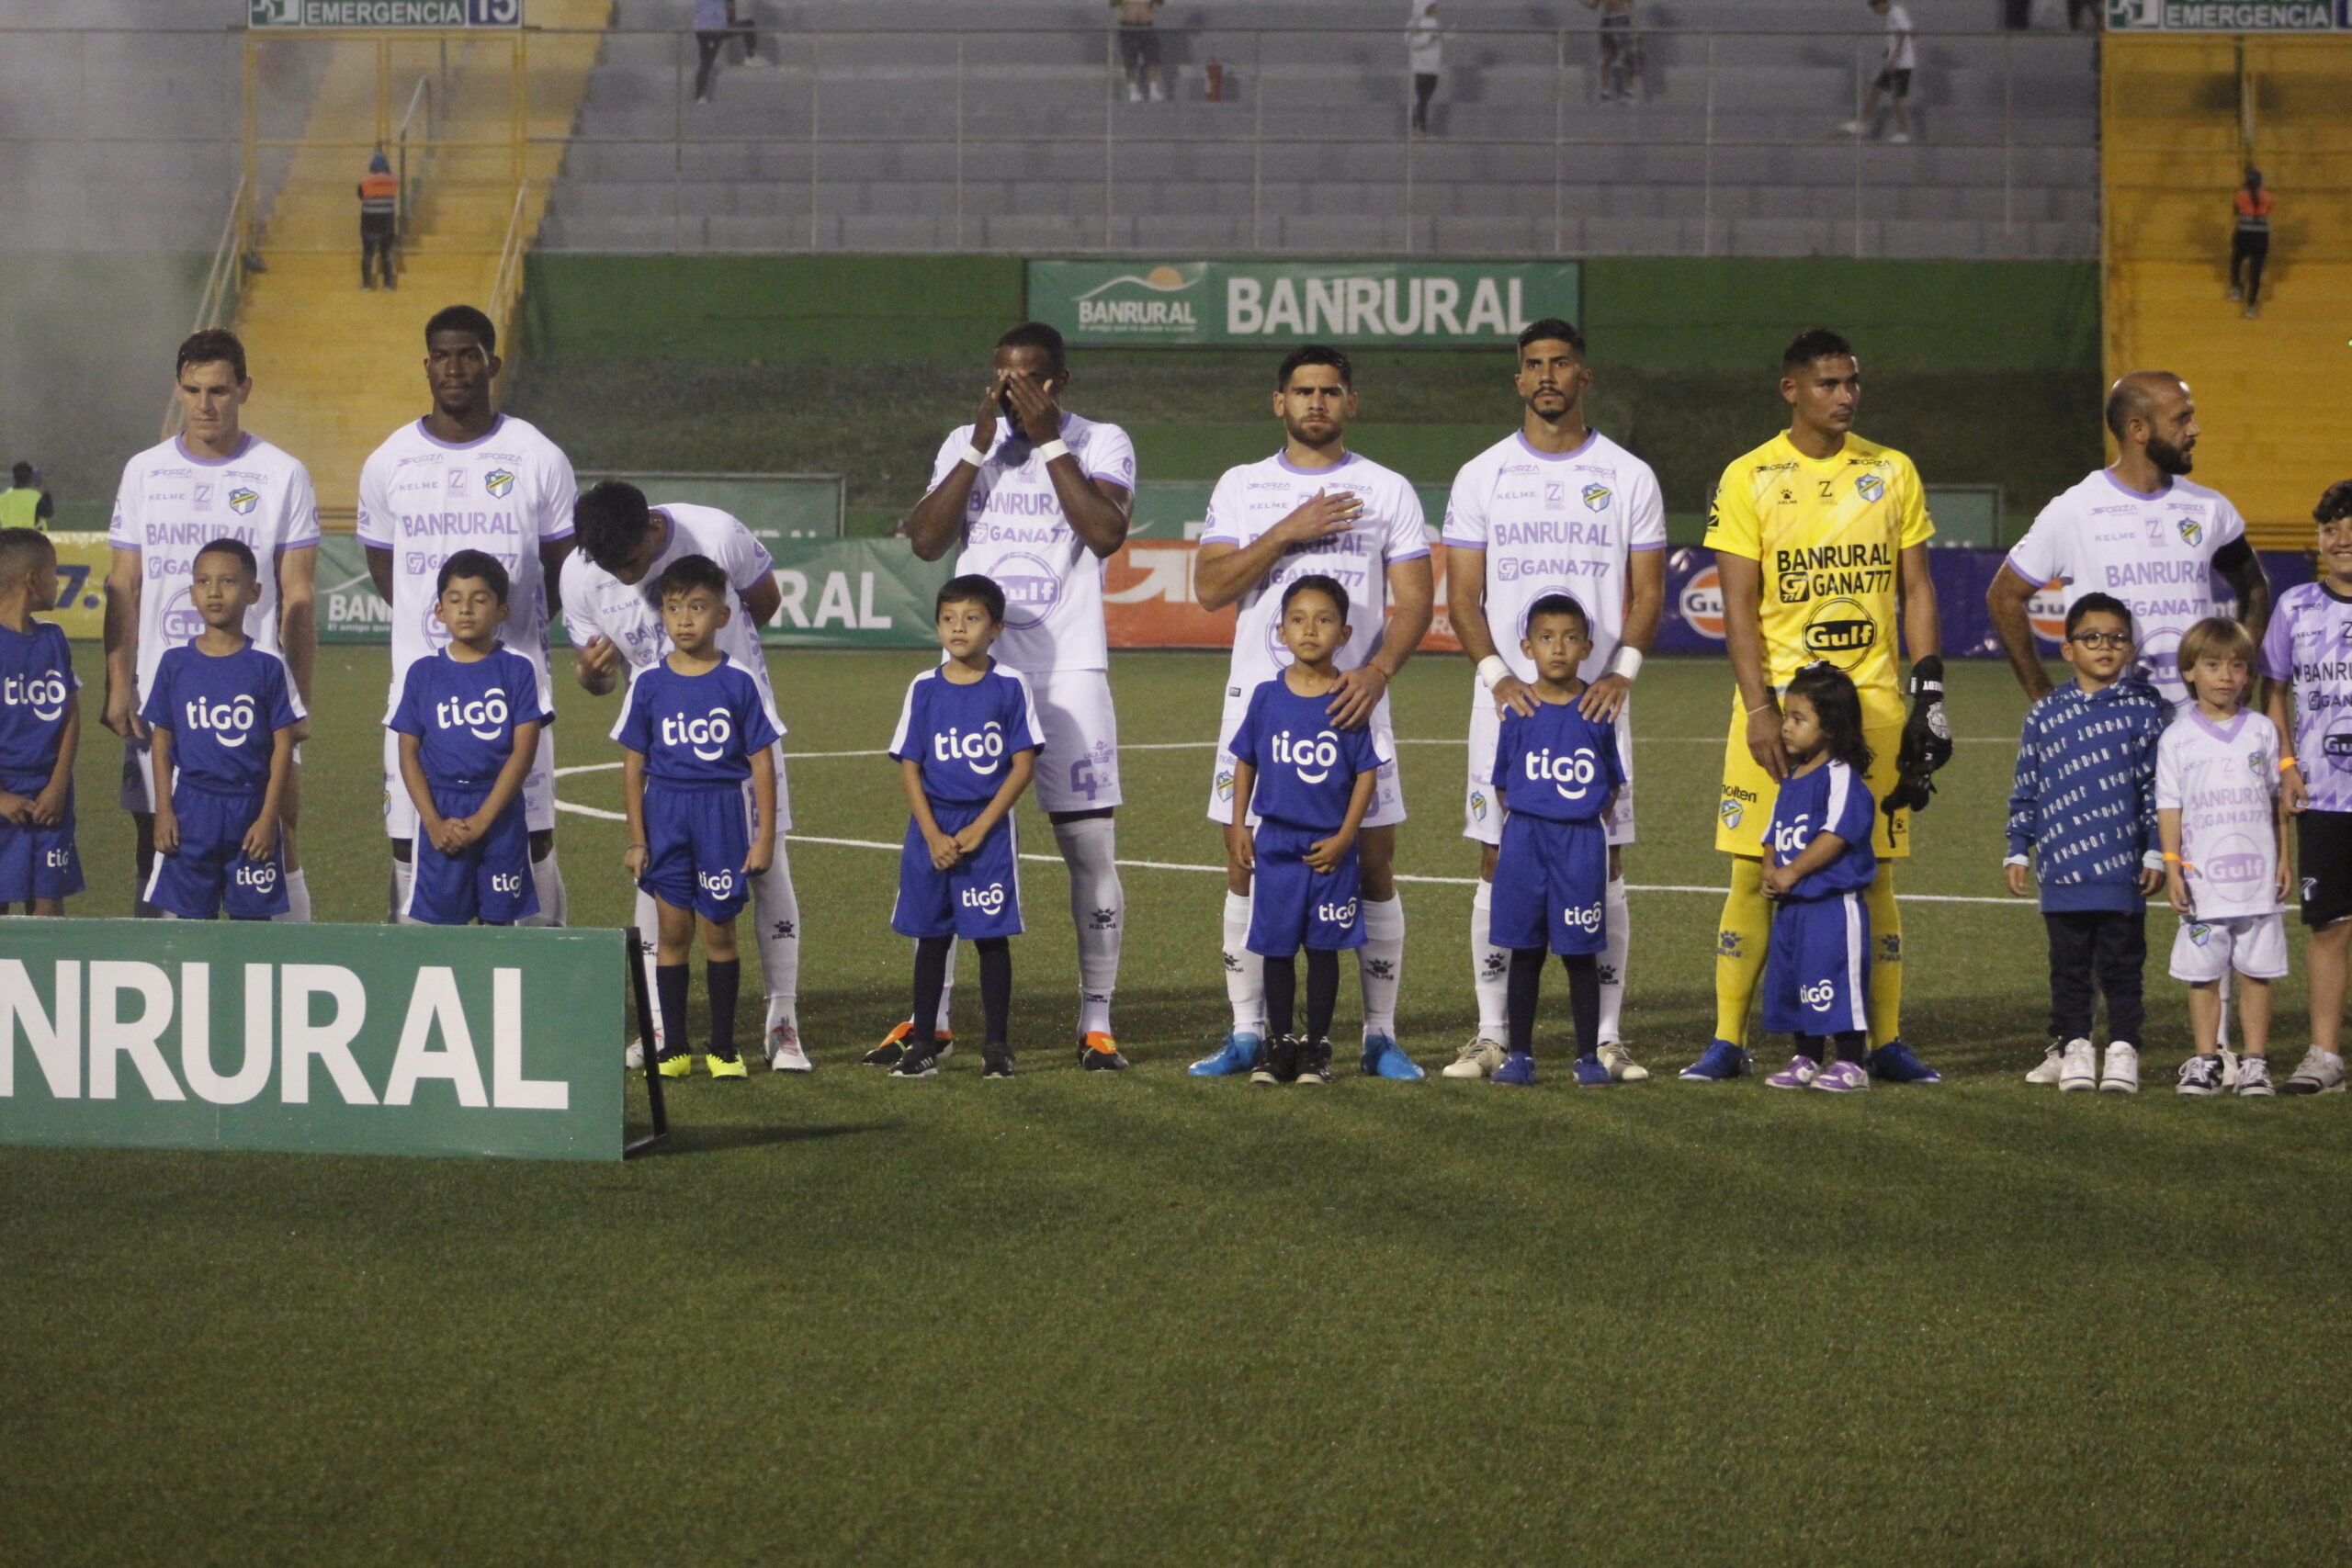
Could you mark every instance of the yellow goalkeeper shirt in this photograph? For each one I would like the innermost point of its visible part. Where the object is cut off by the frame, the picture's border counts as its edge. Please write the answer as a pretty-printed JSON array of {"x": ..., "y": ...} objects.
[{"x": 1826, "y": 533}]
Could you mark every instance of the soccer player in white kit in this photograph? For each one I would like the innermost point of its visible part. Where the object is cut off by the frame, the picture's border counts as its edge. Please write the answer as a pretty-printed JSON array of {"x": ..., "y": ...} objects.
[
  {"x": 1316, "y": 508},
  {"x": 466, "y": 477},
  {"x": 1555, "y": 507},
  {"x": 624, "y": 546},
  {"x": 1036, "y": 498},
  {"x": 2141, "y": 531},
  {"x": 213, "y": 481}
]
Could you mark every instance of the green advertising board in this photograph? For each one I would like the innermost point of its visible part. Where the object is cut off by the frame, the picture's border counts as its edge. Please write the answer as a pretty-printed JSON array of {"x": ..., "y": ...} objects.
[
  {"x": 1401, "y": 304},
  {"x": 325, "y": 1039},
  {"x": 2230, "y": 16}
]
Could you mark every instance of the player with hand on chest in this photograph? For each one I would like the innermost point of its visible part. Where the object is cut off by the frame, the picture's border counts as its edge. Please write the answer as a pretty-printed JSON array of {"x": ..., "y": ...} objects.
[
  {"x": 1316, "y": 509},
  {"x": 466, "y": 477}
]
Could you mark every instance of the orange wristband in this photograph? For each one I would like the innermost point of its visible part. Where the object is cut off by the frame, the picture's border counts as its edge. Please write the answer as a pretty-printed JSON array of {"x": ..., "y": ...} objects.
[{"x": 2286, "y": 762}]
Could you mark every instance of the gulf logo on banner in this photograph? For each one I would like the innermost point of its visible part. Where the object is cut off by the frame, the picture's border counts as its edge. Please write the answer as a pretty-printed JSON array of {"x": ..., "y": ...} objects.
[
  {"x": 2047, "y": 612},
  {"x": 1702, "y": 604}
]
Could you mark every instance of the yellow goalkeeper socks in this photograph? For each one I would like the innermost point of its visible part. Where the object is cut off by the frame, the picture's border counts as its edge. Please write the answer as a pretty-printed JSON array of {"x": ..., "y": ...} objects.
[
  {"x": 1742, "y": 939},
  {"x": 1886, "y": 958}
]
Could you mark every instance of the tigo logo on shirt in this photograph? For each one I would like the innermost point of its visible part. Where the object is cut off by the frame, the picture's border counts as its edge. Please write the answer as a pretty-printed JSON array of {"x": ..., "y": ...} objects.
[
  {"x": 707, "y": 738},
  {"x": 229, "y": 722},
  {"x": 45, "y": 694},
  {"x": 485, "y": 718},
  {"x": 982, "y": 751},
  {"x": 1576, "y": 768},
  {"x": 1313, "y": 760}
]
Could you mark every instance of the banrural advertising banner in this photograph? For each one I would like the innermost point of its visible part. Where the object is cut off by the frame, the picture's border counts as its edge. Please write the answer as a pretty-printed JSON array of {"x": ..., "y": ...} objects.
[
  {"x": 2230, "y": 16},
  {"x": 1402, "y": 304},
  {"x": 314, "y": 1039}
]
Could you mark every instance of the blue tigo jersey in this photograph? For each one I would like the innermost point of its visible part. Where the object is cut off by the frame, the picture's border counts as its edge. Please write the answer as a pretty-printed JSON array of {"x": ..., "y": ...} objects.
[
  {"x": 963, "y": 735},
  {"x": 1558, "y": 764},
  {"x": 222, "y": 712},
  {"x": 1306, "y": 768},
  {"x": 1830, "y": 799},
  {"x": 463, "y": 716},
  {"x": 36, "y": 679},
  {"x": 695, "y": 730}
]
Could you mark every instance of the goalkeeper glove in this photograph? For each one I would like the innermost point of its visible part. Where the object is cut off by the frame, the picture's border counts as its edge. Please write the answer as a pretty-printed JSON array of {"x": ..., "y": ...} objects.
[{"x": 1926, "y": 739}]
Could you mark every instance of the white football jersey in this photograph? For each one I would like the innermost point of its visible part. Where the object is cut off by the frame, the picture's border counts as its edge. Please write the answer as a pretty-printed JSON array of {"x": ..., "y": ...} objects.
[
  {"x": 1015, "y": 534},
  {"x": 596, "y": 604},
  {"x": 173, "y": 503},
  {"x": 1252, "y": 499},
  {"x": 1555, "y": 523},
  {"x": 2222, "y": 779},
  {"x": 2154, "y": 552},
  {"x": 424, "y": 500}
]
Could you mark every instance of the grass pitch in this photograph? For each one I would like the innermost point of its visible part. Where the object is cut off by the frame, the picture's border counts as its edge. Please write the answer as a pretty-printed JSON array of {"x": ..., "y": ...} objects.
[{"x": 1143, "y": 1319}]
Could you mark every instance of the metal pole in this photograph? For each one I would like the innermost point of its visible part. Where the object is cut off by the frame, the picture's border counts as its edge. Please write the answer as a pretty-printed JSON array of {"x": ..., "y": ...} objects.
[
  {"x": 1410, "y": 92},
  {"x": 677, "y": 142},
  {"x": 1559, "y": 138},
  {"x": 815, "y": 86},
  {"x": 959, "y": 141},
  {"x": 1857, "y": 154},
  {"x": 1707, "y": 162},
  {"x": 383, "y": 90},
  {"x": 1257, "y": 141},
  {"x": 2009, "y": 144},
  {"x": 1109, "y": 99}
]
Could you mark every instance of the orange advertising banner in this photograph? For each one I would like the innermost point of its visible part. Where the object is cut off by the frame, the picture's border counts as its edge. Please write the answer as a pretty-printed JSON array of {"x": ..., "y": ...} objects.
[{"x": 1147, "y": 602}]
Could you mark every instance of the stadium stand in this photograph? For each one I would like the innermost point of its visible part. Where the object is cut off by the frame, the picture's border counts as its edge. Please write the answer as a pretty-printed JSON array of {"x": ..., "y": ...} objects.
[
  {"x": 2185, "y": 117},
  {"x": 938, "y": 126}
]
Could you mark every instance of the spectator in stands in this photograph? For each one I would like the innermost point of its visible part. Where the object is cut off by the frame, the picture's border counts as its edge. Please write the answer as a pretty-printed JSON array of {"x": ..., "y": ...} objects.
[
  {"x": 2250, "y": 243},
  {"x": 1893, "y": 76},
  {"x": 1425, "y": 54},
  {"x": 1620, "y": 51},
  {"x": 716, "y": 21},
  {"x": 26, "y": 504},
  {"x": 380, "y": 217},
  {"x": 1139, "y": 49}
]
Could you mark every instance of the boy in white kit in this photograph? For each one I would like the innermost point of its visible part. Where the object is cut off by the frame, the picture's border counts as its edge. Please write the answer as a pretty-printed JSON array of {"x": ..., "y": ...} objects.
[
  {"x": 1555, "y": 507},
  {"x": 2224, "y": 852},
  {"x": 1035, "y": 499},
  {"x": 213, "y": 481},
  {"x": 466, "y": 477},
  {"x": 608, "y": 587},
  {"x": 1317, "y": 509}
]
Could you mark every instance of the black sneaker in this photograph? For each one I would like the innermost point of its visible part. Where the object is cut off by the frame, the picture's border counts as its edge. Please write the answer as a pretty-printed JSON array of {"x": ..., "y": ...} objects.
[
  {"x": 1277, "y": 1061},
  {"x": 2201, "y": 1076},
  {"x": 883, "y": 1056},
  {"x": 1315, "y": 1061},
  {"x": 916, "y": 1064},
  {"x": 996, "y": 1062},
  {"x": 1100, "y": 1054}
]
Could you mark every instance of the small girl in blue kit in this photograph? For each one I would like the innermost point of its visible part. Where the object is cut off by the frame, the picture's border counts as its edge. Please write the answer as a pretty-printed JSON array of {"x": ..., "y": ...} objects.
[{"x": 1817, "y": 860}]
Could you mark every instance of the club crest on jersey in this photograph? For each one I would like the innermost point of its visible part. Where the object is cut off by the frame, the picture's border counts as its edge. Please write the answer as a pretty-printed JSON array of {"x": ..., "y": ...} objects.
[
  {"x": 1870, "y": 487},
  {"x": 498, "y": 481},
  {"x": 2191, "y": 530},
  {"x": 1732, "y": 812},
  {"x": 1478, "y": 803},
  {"x": 1224, "y": 783},
  {"x": 1596, "y": 498},
  {"x": 241, "y": 500},
  {"x": 2201, "y": 933},
  {"x": 2257, "y": 764}
]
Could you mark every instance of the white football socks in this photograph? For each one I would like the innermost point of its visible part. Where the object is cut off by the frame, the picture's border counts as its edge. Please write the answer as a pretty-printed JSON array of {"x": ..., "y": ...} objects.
[
  {"x": 546, "y": 878},
  {"x": 1612, "y": 959},
  {"x": 403, "y": 879},
  {"x": 1245, "y": 971},
  {"x": 1380, "y": 964},
  {"x": 775, "y": 909},
  {"x": 1098, "y": 908},
  {"x": 1490, "y": 968}
]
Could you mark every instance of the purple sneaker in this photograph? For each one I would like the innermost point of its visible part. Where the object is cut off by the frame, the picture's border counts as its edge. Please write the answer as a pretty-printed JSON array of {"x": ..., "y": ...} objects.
[
  {"x": 1800, "y": 1073},
  {"x": 1842, "y": 1077}
]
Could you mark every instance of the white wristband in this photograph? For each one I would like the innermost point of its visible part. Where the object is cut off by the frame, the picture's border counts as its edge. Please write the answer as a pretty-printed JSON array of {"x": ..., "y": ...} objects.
[
  {"x": 1626, "y": 661},
  {"x": 1492, "y": 670},
  {"x": 1054, "y": 449},
  {"x": 973, "y": 456}
]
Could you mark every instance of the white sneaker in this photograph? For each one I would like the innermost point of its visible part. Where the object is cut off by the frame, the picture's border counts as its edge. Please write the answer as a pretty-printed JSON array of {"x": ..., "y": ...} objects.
[
  {"x": 2229, "y": 1068},
  {"x": 2079, "y": 1068},
  {"x": 1475, "y": 1060},
  {"x": 2254, "y": 1078},
  {"x": 2053, "y": 1060},
  {"x": 1851, "y": 128},
  {"x": 634, "y": 1058},
  {"x": 1620, "y": 1064},
  {"x": 2122, "y": 1074},
  {"x": 1135, "y": 94},
  {"x": 1900, "y": 139},
  {"x": 785, "y": 1055},
  {"x": 2321, "y": 1072},
  {"x": 1159, "y": 91}
]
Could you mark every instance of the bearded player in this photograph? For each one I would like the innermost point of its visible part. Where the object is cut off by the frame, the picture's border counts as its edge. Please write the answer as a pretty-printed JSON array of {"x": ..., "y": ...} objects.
[{"x": 1819, "y": 537}]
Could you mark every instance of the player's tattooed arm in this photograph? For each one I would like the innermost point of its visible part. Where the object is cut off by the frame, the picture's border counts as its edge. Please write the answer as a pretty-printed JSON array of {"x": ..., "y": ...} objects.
[
  {"x": 762, "y": 853},
  {"x": 944, "y": 852},
  {"x": 120, "y": 712},
  {"x": 2242, "y": 569},
  {"x": 2292, "y": 792},
  {"x": 1222, "y": 573},
  {"x": 633, "y": 804},
  {"x": 1742, "y": 581},
  {"x": 1018, "y": 770},
  {"x": 1325, "y": 854},
  {"x": 1412, "y": 600},
  {"x": 2004, "y": 602},
  {"x": 261, "y": 837}
]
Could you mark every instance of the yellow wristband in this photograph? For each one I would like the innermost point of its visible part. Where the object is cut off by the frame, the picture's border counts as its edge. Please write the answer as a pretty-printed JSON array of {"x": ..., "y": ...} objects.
[
  {"x": 2286, "y": 762},
  {"x": 2171, "y": 859}
]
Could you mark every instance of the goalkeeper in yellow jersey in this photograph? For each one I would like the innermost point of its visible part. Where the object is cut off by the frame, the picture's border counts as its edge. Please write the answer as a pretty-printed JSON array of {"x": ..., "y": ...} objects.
[{"x": 1820, "y": 538}]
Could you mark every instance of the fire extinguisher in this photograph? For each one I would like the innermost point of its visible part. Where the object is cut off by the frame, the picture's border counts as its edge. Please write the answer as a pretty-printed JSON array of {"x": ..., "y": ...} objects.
[{"x": 1216, "y": 74}]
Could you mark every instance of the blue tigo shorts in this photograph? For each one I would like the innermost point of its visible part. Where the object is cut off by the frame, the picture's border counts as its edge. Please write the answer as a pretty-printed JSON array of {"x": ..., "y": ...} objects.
[
  {"x": 490, "y": 879},
  {"x": 211, "y": 873},
  {"x": 38, "y": 862},
  {"x": 1817, "y": 977},
  {"x": 1549, "y": 880},
  {"x": 1292, "y": 905},
  {"x": 698, "y": 841},
  {"x": 980, "y": 895}
]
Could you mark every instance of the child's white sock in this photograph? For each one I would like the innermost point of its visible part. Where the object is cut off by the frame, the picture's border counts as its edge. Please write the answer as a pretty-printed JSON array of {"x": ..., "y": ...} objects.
[
  {"x": 1490, "y": 968},
  {"x": 1613, "y": 958}
]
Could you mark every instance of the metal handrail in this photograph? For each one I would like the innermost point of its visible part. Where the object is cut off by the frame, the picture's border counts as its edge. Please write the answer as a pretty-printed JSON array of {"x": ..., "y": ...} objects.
[
  {"x": 223, "y": 283},
  {"x": 506, "y": 285},
  {"x": 422, "y": 96}
]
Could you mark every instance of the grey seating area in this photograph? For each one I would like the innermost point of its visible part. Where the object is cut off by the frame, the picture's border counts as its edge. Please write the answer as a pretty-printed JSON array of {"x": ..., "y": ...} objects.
[{"x": 927, "y": 125}]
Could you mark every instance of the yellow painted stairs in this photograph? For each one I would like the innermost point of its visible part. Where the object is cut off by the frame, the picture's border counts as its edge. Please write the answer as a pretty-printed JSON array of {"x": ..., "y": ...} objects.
[
  {"x": 2182, "y": 116},
  {"x": 335, "y": 367}
]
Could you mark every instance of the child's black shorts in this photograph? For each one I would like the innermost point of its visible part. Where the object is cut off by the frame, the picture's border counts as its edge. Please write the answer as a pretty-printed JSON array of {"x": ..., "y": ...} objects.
[{"x": 2324, "y": 859}]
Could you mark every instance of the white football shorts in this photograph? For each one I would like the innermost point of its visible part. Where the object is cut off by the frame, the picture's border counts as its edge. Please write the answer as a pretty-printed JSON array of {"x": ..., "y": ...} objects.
[
  {"x": 1078, "y": 769},
  {"x": 2254, "y": 945}
]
